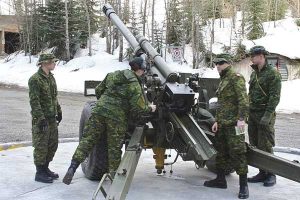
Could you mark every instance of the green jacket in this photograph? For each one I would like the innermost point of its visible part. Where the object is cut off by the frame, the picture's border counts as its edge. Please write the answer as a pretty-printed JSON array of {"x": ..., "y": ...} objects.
[
  {"x": 120, "y": 94},
  {"x": 232, "y": 98},
  {"x": 43, "y": 96},
  {"x": 264, "y": 89}
]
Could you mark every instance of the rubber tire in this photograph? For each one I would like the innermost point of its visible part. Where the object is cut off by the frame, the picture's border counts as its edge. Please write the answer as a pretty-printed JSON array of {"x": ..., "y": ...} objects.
[{"x": 96, "y": 164}]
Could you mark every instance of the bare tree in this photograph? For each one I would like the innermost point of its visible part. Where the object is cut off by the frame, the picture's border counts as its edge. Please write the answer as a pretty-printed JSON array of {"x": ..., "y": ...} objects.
[
  {"x": 144, "y": 17},
  {"x": 108, "y": 34},
  {"x": 67, "y": 31},
  {"x": 298, "y": 8},
  {"x": 152, "y": 24},
  {"x": 89, "y": 26},
  {"x": 27, "y": 22},
  {"x": 120, "y": 37}
]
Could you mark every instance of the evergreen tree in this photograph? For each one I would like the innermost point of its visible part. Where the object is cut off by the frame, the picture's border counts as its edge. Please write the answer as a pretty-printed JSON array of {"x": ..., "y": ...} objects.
[
  {"x": 158, "y": 37},
  {"x": 54, "y": 27},
  {"x": 254, "y": 17},
  {"x": 239, "y": 52},
  {"x": 187, "y": 20},
  {"x": 277, "y": 9},
  {"x": 174, "y": 23}
]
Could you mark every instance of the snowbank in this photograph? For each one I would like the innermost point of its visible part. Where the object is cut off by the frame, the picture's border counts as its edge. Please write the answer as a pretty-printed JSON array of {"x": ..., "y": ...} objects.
[
  {"x": 290, "y": 97},
  {"x": 283, "y": 39},
  {"x": 69, "y": 77}
]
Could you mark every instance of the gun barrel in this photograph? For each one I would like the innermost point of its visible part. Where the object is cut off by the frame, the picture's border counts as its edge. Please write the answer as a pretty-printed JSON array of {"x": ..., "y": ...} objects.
[
  {"x": 111, "y": 14},
  {"x": 139, "y": 43}
]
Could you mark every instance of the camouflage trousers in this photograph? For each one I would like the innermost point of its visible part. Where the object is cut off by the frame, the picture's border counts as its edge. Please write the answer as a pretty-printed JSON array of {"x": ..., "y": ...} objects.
[
  {"x": 45, "y": 143},
  {"x": 95, "y": 127},
  {"x": 231, "y": 150},
  {"x": 262, "y": 137}
]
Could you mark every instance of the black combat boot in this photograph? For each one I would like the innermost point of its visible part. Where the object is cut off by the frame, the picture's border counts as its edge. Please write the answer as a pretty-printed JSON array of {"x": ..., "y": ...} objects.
[
  {"x": 270, "y": 180},
  {"x": 260, "y": 177},
  {"x": 244, "y": 191},
  {"x": 41, "y": 175},
  {"x": 51, "y": 173},
  {"x": 70, "y": 173},
  {"x": 219, "y": 182}
]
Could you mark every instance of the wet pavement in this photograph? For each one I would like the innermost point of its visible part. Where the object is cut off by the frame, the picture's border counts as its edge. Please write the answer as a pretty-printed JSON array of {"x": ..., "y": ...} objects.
[{"x": 17, "y": 180}]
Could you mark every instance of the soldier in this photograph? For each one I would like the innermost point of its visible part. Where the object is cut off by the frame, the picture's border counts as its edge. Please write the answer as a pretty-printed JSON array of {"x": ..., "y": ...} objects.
[
  {"x": 264, "y": 96},
  {"x": 46, "y": 114},
  {"x": 229, "y": 126},
  {"x": 119, "y": 94}
]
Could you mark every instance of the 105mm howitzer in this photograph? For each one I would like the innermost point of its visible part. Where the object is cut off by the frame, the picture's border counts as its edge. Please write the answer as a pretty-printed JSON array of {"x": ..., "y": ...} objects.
[{"x": 179, "y": 123}]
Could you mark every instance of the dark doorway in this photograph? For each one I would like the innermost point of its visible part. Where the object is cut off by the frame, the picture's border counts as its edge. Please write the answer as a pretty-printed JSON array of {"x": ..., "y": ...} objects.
[{"x": 12, "y": 42}]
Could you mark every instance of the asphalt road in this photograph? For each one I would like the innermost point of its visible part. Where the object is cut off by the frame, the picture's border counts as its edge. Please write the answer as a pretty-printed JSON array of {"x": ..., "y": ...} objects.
[{"x": 15, "y": 118}]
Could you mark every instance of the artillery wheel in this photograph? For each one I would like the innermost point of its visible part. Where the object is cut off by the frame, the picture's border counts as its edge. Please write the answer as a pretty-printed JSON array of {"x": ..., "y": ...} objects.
[{"x": 96, "y": 164}]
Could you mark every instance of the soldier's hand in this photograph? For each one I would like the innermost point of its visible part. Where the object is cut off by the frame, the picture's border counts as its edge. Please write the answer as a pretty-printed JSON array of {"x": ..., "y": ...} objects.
[
  {"x": 43, "y": 125},
  {"x": 241, "y": 124},
  {"x": 59, "y": 117},
  {"x": 214, "y": 128}
]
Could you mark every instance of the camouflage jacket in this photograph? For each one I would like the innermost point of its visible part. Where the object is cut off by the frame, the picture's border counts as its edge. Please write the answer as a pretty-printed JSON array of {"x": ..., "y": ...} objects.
[
  {"x": 232, "y": 98},
  {"x": 120, "y": 94},
  {"x": 264, "y": 89},
  {"x": 43, "y": 96}
]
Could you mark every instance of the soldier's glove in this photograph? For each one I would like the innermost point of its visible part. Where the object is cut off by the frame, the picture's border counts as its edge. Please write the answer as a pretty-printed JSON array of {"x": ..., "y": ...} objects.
[
  {"x": 71, "y": 171},
  {"x": 265, "y": 120},
  {"x": 59, "y": 117},
  {"x": 43, "y": 125}
]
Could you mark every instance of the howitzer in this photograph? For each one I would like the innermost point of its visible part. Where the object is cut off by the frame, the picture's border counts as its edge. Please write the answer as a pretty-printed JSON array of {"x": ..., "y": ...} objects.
[{"x": 179, "y": 124}]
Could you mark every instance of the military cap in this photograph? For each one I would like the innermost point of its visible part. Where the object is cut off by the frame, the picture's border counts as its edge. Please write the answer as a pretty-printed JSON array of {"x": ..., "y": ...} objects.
[
  {"x": 138, "y": 61},
  {"x": 46, "y": 57},
  {"x": 258, "y": 50},
  {"x": 223, "y": 57}
]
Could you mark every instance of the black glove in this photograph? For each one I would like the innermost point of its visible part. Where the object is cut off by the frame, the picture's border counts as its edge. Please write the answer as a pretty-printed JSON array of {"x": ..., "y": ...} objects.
[
  {"x": 43, "y": 125},
  {"x": 265, "y": 120},
  {"x": 59, "y": 117},
  {"x": 70, "y": 173}
]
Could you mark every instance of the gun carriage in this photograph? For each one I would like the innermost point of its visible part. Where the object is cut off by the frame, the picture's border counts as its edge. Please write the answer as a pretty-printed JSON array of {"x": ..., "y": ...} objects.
[{"x": 180, "y": 123}]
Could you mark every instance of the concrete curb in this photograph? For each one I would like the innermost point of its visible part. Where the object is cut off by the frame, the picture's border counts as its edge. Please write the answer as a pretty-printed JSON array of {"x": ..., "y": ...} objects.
[
  {"x": 14, "y": 145},
  {"x": 287, "y": 150}
]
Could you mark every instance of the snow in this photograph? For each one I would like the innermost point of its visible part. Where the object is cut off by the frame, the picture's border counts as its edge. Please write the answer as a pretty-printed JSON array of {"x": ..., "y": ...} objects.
[
  {"x": 283, "y": 39},
  {"x": 6, "y": 7},
  {"x": 290, "y": 97}
]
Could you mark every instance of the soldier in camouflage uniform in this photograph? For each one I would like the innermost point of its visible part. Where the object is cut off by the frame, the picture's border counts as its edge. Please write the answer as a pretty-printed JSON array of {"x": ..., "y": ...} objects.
[
  {"x": 229, "y": 126},
  {"x": 46, "y": 114},
  {"x": 264, "y": 96},
  {"x": 119, "y": 94}
]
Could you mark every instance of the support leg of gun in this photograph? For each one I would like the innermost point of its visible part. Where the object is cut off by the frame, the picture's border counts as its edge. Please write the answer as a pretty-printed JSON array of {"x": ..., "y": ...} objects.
[
  {"x": 273, "y": 164},
  {"x": 125, "y": 172}
]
